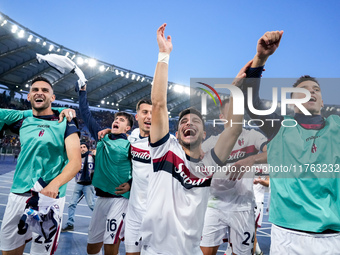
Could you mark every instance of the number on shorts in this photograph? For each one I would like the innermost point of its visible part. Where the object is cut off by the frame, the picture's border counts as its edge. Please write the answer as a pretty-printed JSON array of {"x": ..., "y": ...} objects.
[
  {"x": 245, "y": 242},
  {"x": 111, "y": 225},
  {"x": 37, "y": 240}
]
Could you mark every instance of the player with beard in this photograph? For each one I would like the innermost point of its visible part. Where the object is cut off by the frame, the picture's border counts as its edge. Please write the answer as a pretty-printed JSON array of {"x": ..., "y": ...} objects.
[
  {"x": 305, "y": 204},
  {"x": 112, "y": 168},
  {"x": 178, "y": 187},
  {"x": 141, "y": 168},
  {"x": 49, "y": 151}
]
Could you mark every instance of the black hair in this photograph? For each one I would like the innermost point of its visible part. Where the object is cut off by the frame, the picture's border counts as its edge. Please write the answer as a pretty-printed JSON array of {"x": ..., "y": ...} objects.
[
  {"x": 128, "y": 116},
  {"x": 40, "y": 78},
  {"x": 302, "y": 79},
  {"x": 87, "y": 146},
  {"x": 190, "y": 110},
  {"x": 143, "y": 101}
]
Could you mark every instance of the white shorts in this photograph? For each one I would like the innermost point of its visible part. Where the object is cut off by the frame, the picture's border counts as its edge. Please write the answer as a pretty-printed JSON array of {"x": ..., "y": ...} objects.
[
  {"x": 258, "y": 214},
  {"x": 239, "y": 225},
  {"x": 133, "y": 222},
  {"x": 9, "y": 237},
  {"x": 285, "y": 241},
  {"x": 107, "y": 222}
]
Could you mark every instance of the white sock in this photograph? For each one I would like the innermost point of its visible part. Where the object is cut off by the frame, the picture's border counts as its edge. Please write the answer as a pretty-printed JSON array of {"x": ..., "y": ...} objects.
[{"x": 257, "y": 248}]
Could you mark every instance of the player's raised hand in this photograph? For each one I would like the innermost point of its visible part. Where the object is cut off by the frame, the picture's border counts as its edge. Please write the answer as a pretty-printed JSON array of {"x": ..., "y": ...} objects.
[
  {"x": 241, "y": 74},
  {"x": 164, "y": 44},
  {"x": 268, "y": 43},
  {"x": 83, "y": 88}
]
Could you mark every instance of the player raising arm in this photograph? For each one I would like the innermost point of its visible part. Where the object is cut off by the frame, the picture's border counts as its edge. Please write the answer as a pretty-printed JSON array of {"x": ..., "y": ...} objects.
[
  {"x": 178, "y": 187},
  {"x": 305, "y": 204}
]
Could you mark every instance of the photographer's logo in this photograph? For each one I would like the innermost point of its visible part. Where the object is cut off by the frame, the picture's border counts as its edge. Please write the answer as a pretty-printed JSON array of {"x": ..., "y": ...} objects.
[
  {"x": 238, "y": 103},
  {"x": 238, "y": 99},
  {"x": 211, "y": 95}
]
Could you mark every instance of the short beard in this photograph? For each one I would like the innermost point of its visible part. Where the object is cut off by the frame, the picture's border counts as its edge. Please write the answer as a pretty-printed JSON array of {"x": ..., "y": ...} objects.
[
  {"x": 42, "y": 108},
  {"x": 191, "y": 145}
]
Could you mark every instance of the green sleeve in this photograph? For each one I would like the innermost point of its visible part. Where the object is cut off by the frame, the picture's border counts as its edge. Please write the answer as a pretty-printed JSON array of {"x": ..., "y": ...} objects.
[{"x": 9, "y": 116}]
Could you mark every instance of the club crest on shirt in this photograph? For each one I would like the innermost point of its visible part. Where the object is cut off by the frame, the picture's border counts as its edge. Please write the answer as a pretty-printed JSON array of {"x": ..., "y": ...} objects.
[
  {"x": 41, "y": 133},
  {"x": 314, "y": 148},
  {"x": 241, "y": 141}
]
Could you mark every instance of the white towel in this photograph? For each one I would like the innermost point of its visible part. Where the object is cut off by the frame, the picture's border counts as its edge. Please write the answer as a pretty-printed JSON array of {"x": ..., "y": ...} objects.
[
  {"x": 64, "y": 65},
  {"x": 41, "y": 214}
]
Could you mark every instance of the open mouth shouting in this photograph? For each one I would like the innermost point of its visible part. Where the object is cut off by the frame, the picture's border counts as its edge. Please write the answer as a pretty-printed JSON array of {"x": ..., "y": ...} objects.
[
  {"x": 312, "y": 99},
  {"x": 39, "y": 100},
  {"x": 189, "y": 132}
]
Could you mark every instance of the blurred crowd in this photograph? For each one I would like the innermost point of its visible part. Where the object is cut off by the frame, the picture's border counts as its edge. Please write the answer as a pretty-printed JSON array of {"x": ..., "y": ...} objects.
[{"x": 10, "y": 144}]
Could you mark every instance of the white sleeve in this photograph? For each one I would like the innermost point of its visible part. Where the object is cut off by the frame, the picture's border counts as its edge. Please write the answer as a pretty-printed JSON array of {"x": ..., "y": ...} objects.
[
  {"x": 259, "y": 140},
  {"x": 209, "y": 143},
  {"x": 161, "y": 147}
]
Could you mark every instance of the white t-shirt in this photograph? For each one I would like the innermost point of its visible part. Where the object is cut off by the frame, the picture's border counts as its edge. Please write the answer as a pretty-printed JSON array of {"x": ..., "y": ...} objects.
[
  {"x": 237, "y": 195},
  {"x": 177, "y": 198},
  {"x": 141, "y": 168}
]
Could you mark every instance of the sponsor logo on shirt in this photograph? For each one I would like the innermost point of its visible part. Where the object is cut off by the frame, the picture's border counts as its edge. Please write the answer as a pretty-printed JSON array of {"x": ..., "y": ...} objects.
[
  {"x": 47, "y": 247},
  {"x": 140, "y": 155},
  {"x": 241, "y": 153},
  {"x": 187, "y": 177},
  {"x": 312, "y": 137},
  {"x": 174, "y": 165}
]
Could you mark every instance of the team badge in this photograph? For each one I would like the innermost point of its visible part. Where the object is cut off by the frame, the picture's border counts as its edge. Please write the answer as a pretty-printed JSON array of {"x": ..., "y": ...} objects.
[
  {"x": 41, "y": 133},
  {"x": 314, "y": 148},
  {"x": 241, "y": 141}
]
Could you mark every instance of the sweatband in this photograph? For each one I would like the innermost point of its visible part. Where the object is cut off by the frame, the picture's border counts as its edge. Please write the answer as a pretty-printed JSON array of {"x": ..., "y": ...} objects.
[{"x": 163, "y": 57}]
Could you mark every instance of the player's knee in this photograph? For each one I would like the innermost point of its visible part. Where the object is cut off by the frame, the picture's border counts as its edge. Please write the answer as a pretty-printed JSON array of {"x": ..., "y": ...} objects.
[
  {"x": 94, "y": 248},
  {"x": 209, "y": 250}
]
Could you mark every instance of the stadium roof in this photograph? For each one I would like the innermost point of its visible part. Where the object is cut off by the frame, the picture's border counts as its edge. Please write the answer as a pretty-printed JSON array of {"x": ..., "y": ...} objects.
[{"x": 108, "y": 85}]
